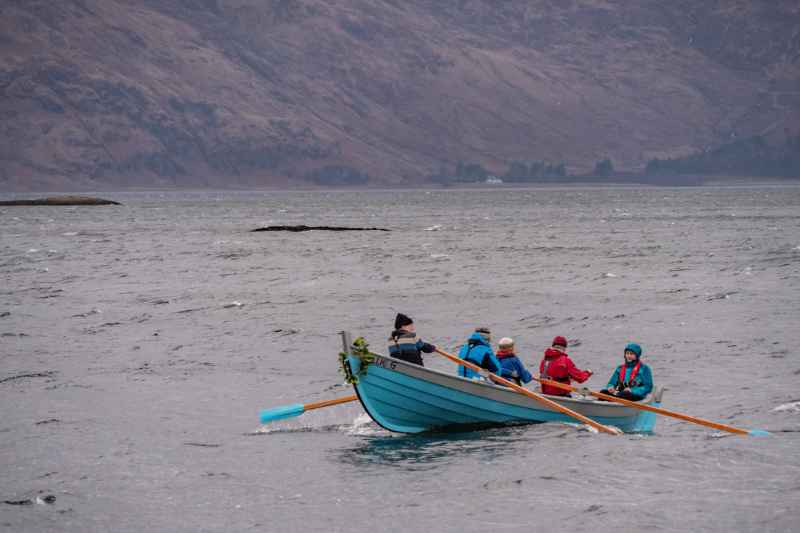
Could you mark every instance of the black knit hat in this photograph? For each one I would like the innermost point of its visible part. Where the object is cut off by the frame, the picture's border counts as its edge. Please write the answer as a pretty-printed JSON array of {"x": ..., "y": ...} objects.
[{"x": 402, "y": 320}]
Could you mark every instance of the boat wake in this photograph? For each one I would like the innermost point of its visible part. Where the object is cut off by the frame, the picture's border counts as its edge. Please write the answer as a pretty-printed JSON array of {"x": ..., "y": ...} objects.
[{"x": 362, "y": 425}]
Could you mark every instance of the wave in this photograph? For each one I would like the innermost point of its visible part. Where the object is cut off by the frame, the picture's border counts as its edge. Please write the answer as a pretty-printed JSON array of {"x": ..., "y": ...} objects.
[
  {"x": 361, "y": 426},
  {"x": 793, "y": 407}
]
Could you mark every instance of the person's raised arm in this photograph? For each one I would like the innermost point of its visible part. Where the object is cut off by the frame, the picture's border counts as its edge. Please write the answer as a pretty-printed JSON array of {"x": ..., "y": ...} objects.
[
  {"x": 576, "y": 373},
  {"x": 425, "y": 347}
]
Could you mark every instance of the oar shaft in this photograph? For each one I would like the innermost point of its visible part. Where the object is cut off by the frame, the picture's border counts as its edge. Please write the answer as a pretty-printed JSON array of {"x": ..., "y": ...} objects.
[
  {"x": 328, "y": 403},
  {"x": 297, "y": 409},
  {"x": 645, "y": 407},
  {"x": 550, "y": 403}
]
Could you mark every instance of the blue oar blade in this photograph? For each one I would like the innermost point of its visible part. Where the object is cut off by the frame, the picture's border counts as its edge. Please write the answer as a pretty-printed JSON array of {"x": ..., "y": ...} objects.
[
  {"x": 279, "y": 413},
  {"x": 759, "y": 433}
]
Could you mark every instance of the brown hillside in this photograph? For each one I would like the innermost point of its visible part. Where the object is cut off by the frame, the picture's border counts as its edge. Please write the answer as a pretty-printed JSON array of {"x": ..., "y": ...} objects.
[{"x": 98, "y": 94}]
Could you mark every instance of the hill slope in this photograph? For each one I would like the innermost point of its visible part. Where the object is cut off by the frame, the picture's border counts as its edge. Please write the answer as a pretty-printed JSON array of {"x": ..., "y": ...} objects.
[{"x": 108, "y": 93}]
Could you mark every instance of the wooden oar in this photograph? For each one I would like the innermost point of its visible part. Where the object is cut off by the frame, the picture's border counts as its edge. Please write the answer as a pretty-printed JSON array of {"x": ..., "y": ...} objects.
[
  {"x": 297, "y": 409},
  {"x": 538, "y": 397},
  {"x": 659, "y": 410}
]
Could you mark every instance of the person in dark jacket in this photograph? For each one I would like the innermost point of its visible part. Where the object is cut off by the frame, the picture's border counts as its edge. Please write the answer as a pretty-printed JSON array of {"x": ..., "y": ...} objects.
[
  {"x": 478, "y": 351},
  {"x": 633, "y": 380},
  {"x": 557, "y": 366},
  {"x": 404, "y": 343},
  {"x": 511, "y": 367}
]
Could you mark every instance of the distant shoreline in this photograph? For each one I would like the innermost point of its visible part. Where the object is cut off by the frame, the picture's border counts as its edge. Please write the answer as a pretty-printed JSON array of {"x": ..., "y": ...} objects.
[{"x": 18, "y": 196}]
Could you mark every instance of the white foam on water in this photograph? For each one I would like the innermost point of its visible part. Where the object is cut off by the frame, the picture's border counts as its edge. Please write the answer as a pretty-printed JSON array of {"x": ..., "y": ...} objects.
[
  {"x": 363, "y": 425},
  {"x": 33, "y": 250},
  {"x": 233, "y": 304},
  {"x": 439, "y": 256},
  {"x": 719, "y": 435},
  {"x": 792, "y": 407},
  {"x": 435, "y": 227},
  {"x": 609, "y": 275},
  {"x": 70, "y": 234}
]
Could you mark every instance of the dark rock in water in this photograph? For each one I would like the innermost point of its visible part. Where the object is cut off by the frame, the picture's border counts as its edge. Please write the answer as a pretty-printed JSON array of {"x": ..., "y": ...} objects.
[
  {"x": 318, "y": 228},
  {"x": 19, "y": 502},
  {"x": 50, "y": 499},
  {"x": 47, "y": 374},
  {"x": 62, "y": 200}
]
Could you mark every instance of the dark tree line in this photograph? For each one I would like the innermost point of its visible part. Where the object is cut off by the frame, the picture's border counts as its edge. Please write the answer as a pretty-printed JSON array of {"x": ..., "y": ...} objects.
[
  {"x": 337, "y": 175},
  {"x": 747, "y": 157},
  {"x": 603, "y": 169},
  {"x": 536, "y": 171},
  {"x": 518, "y": 172}
]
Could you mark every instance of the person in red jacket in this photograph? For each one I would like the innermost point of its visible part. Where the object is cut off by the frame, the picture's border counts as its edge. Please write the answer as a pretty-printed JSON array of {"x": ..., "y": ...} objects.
[{"x": 557, "y": 366}]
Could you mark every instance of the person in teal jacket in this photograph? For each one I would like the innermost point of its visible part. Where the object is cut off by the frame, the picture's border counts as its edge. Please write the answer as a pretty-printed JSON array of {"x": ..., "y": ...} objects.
[
  {"x": 633, "y": 380},
  {"x": 478, "y": 351}
]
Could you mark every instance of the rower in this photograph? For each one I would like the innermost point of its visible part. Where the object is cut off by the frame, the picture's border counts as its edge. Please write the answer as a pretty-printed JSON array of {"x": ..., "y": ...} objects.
[
  {"x": 512, "y": 368},
  {"x": 404, "y": 343},
  {"x": 478, "y": 350},
  {"x": 633, "y": 380},
  {"x": 557, "y": 366}
]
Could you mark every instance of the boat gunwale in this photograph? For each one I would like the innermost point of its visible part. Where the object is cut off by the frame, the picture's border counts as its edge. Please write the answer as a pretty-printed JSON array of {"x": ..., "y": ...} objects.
[{"x": 606, "y": 405}]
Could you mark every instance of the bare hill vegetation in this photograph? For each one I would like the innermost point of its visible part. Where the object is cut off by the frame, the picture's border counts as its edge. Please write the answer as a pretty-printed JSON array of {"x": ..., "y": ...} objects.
[{"x": 99, "y": 94}]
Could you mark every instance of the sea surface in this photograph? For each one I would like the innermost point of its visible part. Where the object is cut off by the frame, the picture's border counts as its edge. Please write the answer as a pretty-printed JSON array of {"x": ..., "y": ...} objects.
[{"x": 138, "y": 344}]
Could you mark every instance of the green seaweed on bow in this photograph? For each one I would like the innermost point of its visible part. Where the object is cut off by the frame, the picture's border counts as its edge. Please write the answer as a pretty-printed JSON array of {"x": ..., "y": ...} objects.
[{"x": 360, "y": 349}]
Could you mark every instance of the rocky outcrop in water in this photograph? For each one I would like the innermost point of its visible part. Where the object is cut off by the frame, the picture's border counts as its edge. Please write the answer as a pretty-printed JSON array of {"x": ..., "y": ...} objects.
[
  {"x": 62, "y": 200},
  {"x": 314, "y": 228}
]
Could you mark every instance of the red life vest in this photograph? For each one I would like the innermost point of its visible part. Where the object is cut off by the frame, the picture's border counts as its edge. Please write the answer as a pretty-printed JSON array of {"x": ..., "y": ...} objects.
[
  {"x": 621, "y": 377},
  {"x": 502, "y": 354}
]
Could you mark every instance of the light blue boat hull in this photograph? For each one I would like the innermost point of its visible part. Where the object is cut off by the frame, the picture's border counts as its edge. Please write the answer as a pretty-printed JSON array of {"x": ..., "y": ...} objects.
[{"x": 407, "y": 398}]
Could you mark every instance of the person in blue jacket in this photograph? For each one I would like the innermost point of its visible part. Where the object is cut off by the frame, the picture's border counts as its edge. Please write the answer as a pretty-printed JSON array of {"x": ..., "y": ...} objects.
[
  {"x": 478, "y": 351},
  {"x": 511, "y": 367},
  {"x": 633, "y": 380}
]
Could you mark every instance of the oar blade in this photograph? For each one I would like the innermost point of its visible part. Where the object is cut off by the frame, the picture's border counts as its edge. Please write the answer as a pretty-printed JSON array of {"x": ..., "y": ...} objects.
[
  {"x": 759, "y": 433},
  {"x": 280, "y": 413}
]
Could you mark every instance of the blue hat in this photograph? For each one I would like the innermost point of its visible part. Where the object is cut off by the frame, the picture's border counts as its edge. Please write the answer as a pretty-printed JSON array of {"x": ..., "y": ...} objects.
[{"x": 635, "y": 348}]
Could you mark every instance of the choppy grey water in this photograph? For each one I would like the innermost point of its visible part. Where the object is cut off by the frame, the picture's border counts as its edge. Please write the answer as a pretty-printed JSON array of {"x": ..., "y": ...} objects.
[{"x": 140, "y": 342}]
